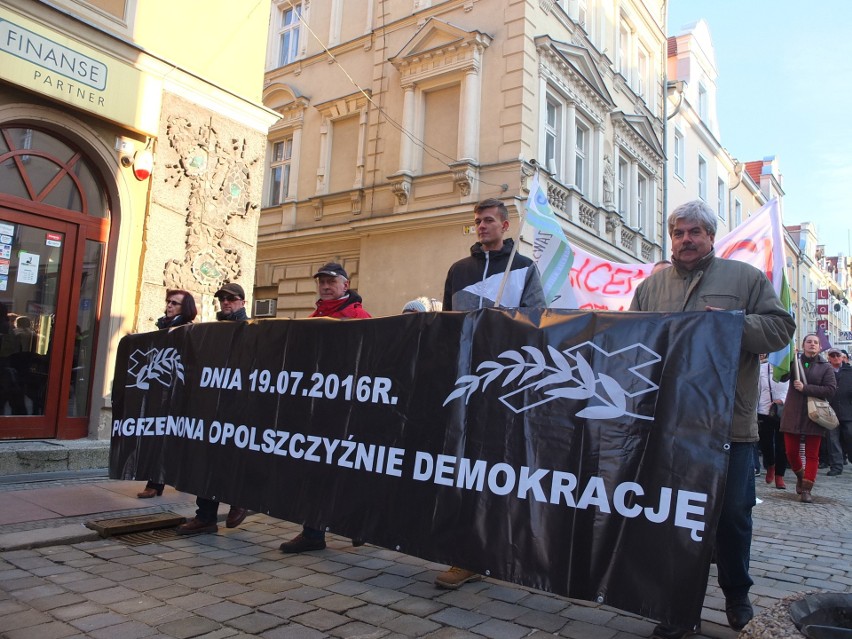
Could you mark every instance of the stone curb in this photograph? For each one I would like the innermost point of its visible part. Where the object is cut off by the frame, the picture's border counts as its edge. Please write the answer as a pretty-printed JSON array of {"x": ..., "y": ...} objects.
[{"x": 41, "y": 537}]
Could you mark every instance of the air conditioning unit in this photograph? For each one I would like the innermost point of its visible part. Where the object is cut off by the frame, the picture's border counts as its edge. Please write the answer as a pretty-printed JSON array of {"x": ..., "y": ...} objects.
[{"x": 265, "y": 308}]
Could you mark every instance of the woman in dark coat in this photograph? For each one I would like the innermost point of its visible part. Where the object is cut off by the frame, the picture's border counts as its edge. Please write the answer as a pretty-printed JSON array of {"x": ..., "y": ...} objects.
[
  {"x": 180, "y": 310},
  {"x": 818, "y": 381}
]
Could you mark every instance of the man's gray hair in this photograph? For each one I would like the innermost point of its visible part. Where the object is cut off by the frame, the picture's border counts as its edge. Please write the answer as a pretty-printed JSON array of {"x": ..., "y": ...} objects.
[{"x": 695, "y": 211}]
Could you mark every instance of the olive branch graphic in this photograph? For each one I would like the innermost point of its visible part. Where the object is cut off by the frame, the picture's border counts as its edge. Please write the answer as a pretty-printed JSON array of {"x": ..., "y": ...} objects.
[
  {"x": 570, "y": 369},
  {"x": 156, "y": 364}
]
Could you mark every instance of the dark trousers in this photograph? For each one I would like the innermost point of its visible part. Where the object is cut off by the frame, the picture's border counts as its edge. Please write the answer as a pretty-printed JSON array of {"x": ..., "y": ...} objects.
[
  {"x": 772, "y": 443},
  {"x": 839, "y": 445},
  {"x": 733, "y": 536},
  {"x": 208, "y": 509},
  {"x": 312, "y": 533}
]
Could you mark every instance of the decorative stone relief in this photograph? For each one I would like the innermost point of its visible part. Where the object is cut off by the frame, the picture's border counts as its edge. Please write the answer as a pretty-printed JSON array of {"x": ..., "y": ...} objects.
[
  {"x": 401, "y": 187},
  {"x": 612, "y": 222},
  {"x": 357, "y": 199},
  {"x": 464, "y": 173},
  {"x": 220, "y": 179},
  {"x": 608, "y": 178}
]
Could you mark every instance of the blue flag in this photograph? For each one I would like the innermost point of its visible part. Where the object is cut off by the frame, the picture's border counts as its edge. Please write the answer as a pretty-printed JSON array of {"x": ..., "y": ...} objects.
[{"x": 553, "y": 254}]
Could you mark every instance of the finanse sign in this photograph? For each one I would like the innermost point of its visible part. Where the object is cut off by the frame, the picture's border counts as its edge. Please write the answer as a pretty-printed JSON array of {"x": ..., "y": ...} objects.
[{"x": 576, "y": 452}]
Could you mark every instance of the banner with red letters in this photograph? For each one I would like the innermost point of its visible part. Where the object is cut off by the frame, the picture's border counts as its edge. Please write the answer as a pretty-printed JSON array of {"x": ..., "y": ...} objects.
[{"x": 598, "y": 284}]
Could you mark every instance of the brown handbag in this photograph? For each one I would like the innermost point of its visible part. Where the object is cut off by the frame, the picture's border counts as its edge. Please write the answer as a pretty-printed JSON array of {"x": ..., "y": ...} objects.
[{"x": 820, "y": 411}]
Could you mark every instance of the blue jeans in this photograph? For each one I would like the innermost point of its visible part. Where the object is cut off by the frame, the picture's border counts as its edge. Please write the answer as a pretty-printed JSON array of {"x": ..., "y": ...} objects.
[{"x": 733, "y": 536}]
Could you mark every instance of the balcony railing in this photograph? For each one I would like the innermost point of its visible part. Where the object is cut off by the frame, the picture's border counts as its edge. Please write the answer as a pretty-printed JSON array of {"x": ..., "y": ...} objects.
[{"x": 601, "y": 227}]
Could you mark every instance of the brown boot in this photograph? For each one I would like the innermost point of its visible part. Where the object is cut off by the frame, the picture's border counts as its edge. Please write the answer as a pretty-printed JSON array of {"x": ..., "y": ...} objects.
[
  {"x": 806, "y": 497},
  {"x": 770, "y": 474},
  {"x": 800, "y": 477}
]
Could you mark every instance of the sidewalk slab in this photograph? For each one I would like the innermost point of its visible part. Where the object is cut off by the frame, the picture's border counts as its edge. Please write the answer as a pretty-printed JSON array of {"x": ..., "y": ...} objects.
[{"x": 39, "y": 538}]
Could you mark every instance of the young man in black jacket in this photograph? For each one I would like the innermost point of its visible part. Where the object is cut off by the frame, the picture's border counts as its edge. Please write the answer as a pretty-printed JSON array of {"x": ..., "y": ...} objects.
[
  {"x": 474, "y": 282},
  {"x": 232, "y": 300}
]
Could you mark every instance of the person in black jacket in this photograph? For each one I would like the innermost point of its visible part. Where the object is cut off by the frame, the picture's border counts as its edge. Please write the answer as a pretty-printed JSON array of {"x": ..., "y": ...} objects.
[
  {"x": 232, "y": 299},
  {"x": 474, "y": 282},
  {"x": 180, "y": 310},
  {"x": 840, "y": 439}
]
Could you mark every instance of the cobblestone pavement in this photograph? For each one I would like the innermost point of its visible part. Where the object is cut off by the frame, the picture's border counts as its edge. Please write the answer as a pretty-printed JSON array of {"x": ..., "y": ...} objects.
[{"x": 237, "y": 584}]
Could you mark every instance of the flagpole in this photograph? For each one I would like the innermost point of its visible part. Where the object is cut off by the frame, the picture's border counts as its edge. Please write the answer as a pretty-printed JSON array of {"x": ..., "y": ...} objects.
[{"x": 505, "y": 279}]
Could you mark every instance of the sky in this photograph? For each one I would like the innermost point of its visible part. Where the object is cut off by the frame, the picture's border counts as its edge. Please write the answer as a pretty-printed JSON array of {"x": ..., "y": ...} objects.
[{"x": 785, "y": 89}]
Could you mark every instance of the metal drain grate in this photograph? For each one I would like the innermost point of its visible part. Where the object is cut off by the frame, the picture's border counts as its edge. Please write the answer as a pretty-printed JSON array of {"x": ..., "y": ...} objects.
[{"x": 148, "y": 537}]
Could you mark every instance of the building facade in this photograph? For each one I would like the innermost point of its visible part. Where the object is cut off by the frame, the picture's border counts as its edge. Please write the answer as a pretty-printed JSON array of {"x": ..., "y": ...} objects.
[
  {"x": 131, "y": 160},
  {"x": 397, "y": 117},
  {"x": 822, "y": 299}
]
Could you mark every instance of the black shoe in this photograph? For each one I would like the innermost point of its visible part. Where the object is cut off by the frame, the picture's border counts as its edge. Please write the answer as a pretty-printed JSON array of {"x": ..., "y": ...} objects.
[
  {"x": 356, "y": 542},
  {"x": 664, "y": 631},
  {"x": 834, "y": 473},
  {"x": 739, "y": 613},
  {"x": 822, "y": 465},
  {"x": 300, "y": 543}
]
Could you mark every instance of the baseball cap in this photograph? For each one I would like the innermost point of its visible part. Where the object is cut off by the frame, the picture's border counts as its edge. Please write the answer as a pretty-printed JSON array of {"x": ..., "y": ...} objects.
[
  {"x": 333, "y": 269},
  {"x": 232, "y": 288}
]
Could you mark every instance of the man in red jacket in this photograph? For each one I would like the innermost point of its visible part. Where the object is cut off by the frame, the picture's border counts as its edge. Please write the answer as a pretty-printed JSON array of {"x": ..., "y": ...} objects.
[
  {"x": 335, "y": 297},
  {"x": 335, "y": 300}
]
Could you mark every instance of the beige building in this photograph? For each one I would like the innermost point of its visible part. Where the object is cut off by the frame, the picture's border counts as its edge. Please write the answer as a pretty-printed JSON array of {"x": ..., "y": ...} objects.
[
  {"x": 131, "y": 161},
  {"x": 396, "y": 118},
  {"x": 822, "y": 285}
]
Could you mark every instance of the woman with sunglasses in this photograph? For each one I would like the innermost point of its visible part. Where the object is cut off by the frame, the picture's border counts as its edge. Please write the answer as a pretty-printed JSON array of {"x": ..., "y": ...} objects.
[{"x": 180, "y": 310}]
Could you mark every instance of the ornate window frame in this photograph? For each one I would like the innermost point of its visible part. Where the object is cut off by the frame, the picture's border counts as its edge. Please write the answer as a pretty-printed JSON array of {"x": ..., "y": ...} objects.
[
  {"x": 440, "y": 54},
  {"x": 291, "y": 106},
  {"x": 337, "y": 109}
]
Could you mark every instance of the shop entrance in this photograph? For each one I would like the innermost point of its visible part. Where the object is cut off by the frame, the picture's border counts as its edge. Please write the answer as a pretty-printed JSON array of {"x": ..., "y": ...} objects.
[{"x": 54, "y": 222}]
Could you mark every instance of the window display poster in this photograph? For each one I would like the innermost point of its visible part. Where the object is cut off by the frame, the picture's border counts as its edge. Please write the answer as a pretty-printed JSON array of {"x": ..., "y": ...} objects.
[{"x": 27, "y": 267}]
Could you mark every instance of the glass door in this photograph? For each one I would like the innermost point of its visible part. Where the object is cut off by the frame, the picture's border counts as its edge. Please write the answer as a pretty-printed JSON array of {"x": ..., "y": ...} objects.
[{"x": 36, "y": 260}]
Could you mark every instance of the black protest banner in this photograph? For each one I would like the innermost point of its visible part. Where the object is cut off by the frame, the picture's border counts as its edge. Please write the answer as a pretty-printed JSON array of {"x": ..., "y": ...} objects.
[{"x": 581, "y": 453}]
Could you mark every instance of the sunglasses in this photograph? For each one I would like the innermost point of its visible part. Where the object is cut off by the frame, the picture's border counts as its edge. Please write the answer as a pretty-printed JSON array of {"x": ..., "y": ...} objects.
[
  {"x": 834, "y": 354},
  {"x": 172, "y": 303},
  {"x": 230, "y": 298}
]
